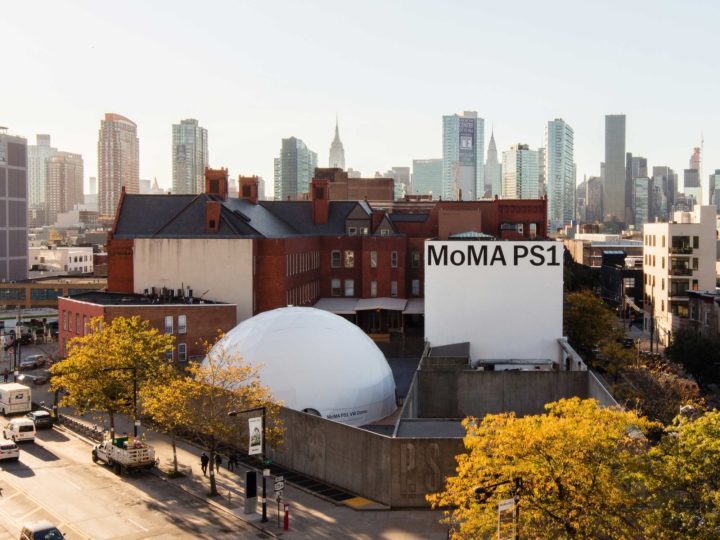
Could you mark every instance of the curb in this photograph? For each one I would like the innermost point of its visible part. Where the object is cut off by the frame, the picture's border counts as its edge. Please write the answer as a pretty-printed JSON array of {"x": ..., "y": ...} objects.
[{"x": 211, "y": 503}]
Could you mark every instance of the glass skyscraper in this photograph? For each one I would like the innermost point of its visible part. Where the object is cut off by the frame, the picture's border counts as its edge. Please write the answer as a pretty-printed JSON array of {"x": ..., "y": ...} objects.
[
  {"x": 463, "y": 156},
  {"x": 427, "y": 177},
  {"x": 520, "y": 173},
  {"x": 559, "y": 173},
  {"x": 189, "y": 156},
  {"x": 37, "y": 154},
  {"x": 294, "y": 169}
]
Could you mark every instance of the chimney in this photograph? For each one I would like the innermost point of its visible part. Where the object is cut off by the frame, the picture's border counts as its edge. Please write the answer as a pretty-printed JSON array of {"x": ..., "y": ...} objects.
[
  {"x": 248, "y": 188},
  {"x": 216, "y": 182},
  {"x": 320, "y": 191},
  {"x": 212, "y": 216}
]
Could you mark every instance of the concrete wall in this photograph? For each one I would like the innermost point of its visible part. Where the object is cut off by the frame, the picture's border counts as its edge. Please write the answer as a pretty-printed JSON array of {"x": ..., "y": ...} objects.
[
  {"x": 219, "y": 269},
  {"x": 395, "y": 472},
  {"x": 447, "y": 394}
]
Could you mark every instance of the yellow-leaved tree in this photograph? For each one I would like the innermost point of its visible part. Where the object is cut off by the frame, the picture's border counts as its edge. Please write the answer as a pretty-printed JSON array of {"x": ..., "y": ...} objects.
[
  {"x": 107, "y": 367},
  {"x": 577, "y": 468},
  {"x": 201, "y": 401}
]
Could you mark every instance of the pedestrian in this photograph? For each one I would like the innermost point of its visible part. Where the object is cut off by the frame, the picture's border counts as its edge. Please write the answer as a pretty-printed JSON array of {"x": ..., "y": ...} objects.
[
  {"x": 5, "y": 375},
  {"x": 204, "y": 460},
  {"x": 218, "y": 462},
  {"x": 232, "y": 461}
]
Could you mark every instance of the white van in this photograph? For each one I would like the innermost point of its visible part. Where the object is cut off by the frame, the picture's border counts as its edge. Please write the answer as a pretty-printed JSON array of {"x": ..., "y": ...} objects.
[
  {"x": 19, "y": 429},
  {"x": 15, "y": 398}
]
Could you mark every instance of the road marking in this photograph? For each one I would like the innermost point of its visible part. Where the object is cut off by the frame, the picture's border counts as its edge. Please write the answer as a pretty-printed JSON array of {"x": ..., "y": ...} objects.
[
  {"x": 5, "y": 499},
  {"x": 137, "y": 525},
  {"x": 73, "y": 484},
  {"x": 30, "y": 513}
]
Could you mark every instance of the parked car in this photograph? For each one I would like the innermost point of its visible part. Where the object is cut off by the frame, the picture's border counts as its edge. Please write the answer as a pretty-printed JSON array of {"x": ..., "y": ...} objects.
[
  {"x": 9, "y": 450},
  {"x": 33, "y": 361},
  {"x": 37, "y": 378},
  {"x": 41, "y": 530},
  {"x": 41, "y": 419},
  {"x": 628, "y": 343}
]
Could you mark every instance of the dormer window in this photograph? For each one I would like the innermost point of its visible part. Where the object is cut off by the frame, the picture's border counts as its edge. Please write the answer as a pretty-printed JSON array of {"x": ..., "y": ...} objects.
[
  {"x": 352, "y": 231},
  {"x": 384, "y": 232}
]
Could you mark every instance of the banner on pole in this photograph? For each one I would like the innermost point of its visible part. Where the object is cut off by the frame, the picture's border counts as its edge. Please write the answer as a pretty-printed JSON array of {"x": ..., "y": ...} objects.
[
  {"x": 506, "y": 520},
  {"x": 256, "y": 439}
]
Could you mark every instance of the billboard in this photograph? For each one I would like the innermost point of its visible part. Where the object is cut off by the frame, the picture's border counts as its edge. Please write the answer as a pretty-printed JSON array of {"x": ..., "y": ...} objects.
[{"x": 504, "y": 298}]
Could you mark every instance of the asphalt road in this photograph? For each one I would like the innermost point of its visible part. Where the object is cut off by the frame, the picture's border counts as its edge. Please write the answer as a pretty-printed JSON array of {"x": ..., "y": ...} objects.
[{"x": 56, "y": 480}]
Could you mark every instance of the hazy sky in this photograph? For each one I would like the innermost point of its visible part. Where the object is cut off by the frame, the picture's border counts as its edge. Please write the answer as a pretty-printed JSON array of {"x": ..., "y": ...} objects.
[{"x": 255, "y": 72}]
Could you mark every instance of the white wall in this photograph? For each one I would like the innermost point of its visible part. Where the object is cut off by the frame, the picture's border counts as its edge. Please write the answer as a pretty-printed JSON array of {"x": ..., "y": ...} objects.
[
  {"x": 62, "y": 259},
  {"x": 223, "y": 268},
  {"x": 506, "y": 311}
]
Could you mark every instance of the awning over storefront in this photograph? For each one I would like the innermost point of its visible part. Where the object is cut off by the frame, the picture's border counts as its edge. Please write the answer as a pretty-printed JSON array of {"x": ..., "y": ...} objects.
[
  {"x": 415, "y": 306},
  {"x": 390, "y": 304},
  {"x": 339, "y": 306}
]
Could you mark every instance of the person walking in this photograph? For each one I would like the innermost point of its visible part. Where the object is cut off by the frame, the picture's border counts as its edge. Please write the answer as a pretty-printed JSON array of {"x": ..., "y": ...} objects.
[
  {"x": 5, "y": 375},
  {"x": 204, "y": 460},
  {"x": 218, "y": 462},
  {"x": 232, "y": 461}
]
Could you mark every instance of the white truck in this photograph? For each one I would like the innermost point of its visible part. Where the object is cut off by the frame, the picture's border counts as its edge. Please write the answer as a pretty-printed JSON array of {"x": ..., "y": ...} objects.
[
  {"x": 124, "y": 455},
  {"x": 15, "y": 398}
]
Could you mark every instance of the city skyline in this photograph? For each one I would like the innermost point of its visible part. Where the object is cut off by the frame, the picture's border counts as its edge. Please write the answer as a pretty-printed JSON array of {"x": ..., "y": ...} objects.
[{"x": 383, "y": 127}]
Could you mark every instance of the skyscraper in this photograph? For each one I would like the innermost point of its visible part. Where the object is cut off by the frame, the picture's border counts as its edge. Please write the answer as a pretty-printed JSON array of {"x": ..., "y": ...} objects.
[
  {"x": 666, "y": 178},
  {"x": 636, "y": 168},
  {"x": 559, "y": 173},
  {"x": 293, "y": 169},
  {"x": 37, "y": 154},
  {"x": 542, "y": 180},
  {"x": 520, "y": 173},
  {"x": 691, "y": 185},
  {"x": 118, "y": 162},
  {"x": 337, "y": 151},
  {"x": 463, "y": 156},
  {"x": 427, "y": 177},
  {"x": 189, "y": 156},
  {"x": 64, "y": 187},
  {"x": 493, "y": 170},
  {"x": 614, "y": 202},
  {"x": 713, "y": 184},
  {"x": 13, "y": 207},
  {"x": 594, "y": 200}
]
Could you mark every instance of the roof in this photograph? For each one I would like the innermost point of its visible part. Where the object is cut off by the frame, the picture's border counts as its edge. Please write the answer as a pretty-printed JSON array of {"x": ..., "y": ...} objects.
[
  {"x": 350, "y": 306},
  {"x": 472, "y": 235},
  {"x": 391, "y": 304},
  {"x": 409, "y": 218},
  {"x": 415, "y": 306},
  {"x": 105, "y": 298},
  {"x": 340, "y": 306}
]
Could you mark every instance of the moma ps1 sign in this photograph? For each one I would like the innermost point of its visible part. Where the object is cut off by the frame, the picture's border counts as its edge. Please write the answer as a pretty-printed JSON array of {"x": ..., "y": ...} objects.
[{"x": 505, "y": 298}]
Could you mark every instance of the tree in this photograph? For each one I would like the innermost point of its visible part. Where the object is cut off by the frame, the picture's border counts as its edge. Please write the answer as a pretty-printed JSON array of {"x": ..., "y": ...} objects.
[
  {"x": 699, "y": 355},
  {"x": 588, "y": 321},
  {"x": 221, "y": 384},
  {"x": 684, "y": 481},
  {"x": 578, "y": 464},
  {"x": 106, "y": 366}
]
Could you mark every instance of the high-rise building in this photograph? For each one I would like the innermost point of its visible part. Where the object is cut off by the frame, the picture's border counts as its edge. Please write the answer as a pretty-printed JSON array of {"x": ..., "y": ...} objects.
[
  {"x": 91, "y": 198},
  {"x": 691, "y": 185},
  {"x": 293, "y": 169},
  {"x": 189, "y": 157},
  {"x": 713, "y": 184},
  {"x": 401, "y": 176},
  {"x": 542, "y": 181},
  {"x": 636, "y": 167},
  {"x": 614, "y": 202},
  {"x": 594, "y": 200},
  {"x": 642, "y": 199},
  {"x": 559, "y": 173},
  {"x": 37, "y": 154},
  {"x": 337, "y": 151},
  {"x": 463, "y": 156},
  {"x": 493, "y": 170},
  {"x": 520, "y": 173},
  {"x": 145, "y": 184},
  {"x": 64, "y": 187},
  {"x": 118, "y": 162},
  {"x": 695, "y": 159},
  {"x": 427, "y": 177},
  {"x": 667, "y": 180},
  {"x": 14, "y": 207}
]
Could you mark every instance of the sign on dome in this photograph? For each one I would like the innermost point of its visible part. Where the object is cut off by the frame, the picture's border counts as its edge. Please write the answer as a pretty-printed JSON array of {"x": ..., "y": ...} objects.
[{"x": 505, "y": 298}]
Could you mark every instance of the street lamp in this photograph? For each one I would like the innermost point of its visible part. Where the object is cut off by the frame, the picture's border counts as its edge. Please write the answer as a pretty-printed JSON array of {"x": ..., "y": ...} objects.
[
  {"x": 262, "y": 456},
  {"x": 483, "y": 492}
]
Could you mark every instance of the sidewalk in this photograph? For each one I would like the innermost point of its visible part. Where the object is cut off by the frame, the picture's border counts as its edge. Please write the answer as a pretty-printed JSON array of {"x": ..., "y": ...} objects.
[{"x": 310, "y": 516}]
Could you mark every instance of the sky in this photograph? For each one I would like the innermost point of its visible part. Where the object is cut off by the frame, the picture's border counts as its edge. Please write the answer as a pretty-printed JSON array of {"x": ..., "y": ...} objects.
[{"x": 255, "y": 72}]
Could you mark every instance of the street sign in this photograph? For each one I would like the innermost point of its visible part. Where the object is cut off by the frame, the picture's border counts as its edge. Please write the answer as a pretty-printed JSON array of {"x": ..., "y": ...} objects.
[
  {"x": 256, "y": 438},
  {"x": 279, "y": 485}
]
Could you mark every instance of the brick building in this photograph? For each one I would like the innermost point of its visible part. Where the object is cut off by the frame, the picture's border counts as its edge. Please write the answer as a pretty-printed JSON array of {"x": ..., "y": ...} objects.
[
  {"x": 189, "y": 319},
  {"x": 349, "y": 257}
]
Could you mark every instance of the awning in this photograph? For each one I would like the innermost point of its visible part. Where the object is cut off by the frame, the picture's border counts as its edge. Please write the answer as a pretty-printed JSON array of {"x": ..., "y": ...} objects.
[
  {"x": 340, "y": 306},
  {"x": 390, "y": 304},
  {"x": 415, "y": 306}
]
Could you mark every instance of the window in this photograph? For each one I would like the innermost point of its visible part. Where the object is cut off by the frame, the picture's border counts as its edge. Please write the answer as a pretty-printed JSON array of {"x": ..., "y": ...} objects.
[
  {"x": 182, "y": 352},
  {"x": 662, "y": 260},
  {"x": 696, "y": 242},
  {"x": 182, "y": 324},
  {"x": 364, "y": 231},
  {"x": 695, "y": 285},
  {"x": 384, "y": 232},
  {"x": 349, "y": 259},
  {"x": 84, "y": 324},
  {"x": 416, "y": 287},
  {"x": 168, "y": 324},
  {"x": 393, "y": 288},
  {"x": 695, "y": 263},
  {"x": 335, "y": 258},
  {"x": 349, "y": 287},
  {"x": 394, "y": 259},
  {"x": 352, "y": 231},
  {"x": 169, "y": 354},
  {"x": 335, "y": 287},
  {"x": 662, "y": 305},
  {"x": 77, "y": 323},
  {"x": 663, "y": 241},
  {"x": 64, "y": 320},
  {"x": 662, "y": 284},
  {"x": 415, "y": 259},
  {"x": 373, "y": 259},
  {"x": 373, "y": 289}
]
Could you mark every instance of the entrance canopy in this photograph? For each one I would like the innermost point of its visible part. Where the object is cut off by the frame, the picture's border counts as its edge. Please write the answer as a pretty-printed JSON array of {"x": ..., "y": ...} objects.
[{"x": 350, "y": 306}]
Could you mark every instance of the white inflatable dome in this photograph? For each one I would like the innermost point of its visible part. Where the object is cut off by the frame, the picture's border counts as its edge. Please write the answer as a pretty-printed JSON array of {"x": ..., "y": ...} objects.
[{"x": 316, "y": 361}]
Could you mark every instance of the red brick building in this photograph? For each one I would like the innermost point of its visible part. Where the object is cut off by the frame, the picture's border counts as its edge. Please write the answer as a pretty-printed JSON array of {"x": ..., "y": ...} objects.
[
  {"x": 327, "y": 253},
  {"x": 190, "y": 320}
]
